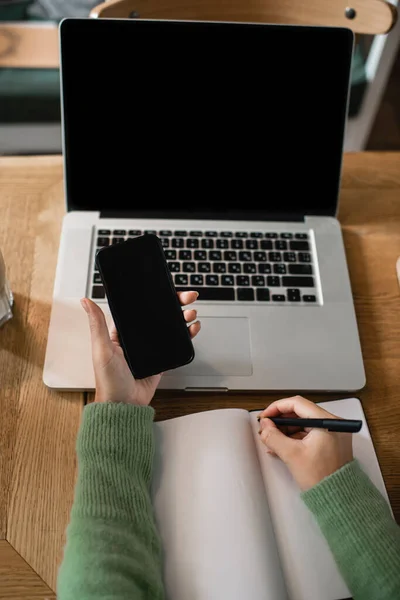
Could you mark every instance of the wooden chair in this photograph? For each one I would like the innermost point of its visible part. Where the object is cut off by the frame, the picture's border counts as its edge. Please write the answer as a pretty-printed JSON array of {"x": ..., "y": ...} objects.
[{"x": 362, "y": 16}]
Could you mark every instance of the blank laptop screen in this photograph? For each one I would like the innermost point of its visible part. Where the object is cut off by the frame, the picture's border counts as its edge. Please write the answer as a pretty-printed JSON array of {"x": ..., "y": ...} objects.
[{"x": 185, "y": 119}]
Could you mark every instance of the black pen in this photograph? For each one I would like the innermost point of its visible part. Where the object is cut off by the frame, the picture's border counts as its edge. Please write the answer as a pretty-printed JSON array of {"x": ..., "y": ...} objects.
[{"x": 340, "y": 425}]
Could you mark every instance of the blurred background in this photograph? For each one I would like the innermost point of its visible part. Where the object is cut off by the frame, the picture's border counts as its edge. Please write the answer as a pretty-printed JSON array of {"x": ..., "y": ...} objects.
[{"x": 30, "y": 81}]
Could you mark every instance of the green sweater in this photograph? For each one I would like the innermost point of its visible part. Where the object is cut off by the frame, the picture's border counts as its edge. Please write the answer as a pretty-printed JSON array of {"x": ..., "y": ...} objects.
[{"x": 113, "y": 550}]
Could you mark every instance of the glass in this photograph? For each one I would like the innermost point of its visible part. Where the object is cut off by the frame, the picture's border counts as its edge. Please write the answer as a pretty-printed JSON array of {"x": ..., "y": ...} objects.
[{"x": 6, "y": 297}]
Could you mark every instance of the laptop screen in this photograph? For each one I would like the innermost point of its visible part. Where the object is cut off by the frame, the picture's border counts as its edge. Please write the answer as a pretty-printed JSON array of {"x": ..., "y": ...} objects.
[{"x": 210, "y": 120}]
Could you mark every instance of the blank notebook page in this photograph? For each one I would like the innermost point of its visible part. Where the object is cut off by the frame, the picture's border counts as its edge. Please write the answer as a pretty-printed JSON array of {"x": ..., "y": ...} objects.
[
  {"x": 310, "y": 570},
  {"x": 211, "y": 510}
]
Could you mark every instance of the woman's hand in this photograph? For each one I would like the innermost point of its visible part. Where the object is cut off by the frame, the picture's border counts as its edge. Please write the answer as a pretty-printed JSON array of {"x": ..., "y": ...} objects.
[
  {"x": 311, "y": 454},
  {"x": 114, "y": 380}
]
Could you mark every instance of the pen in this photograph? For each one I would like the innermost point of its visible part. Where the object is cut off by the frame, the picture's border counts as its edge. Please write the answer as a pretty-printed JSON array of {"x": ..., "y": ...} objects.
[{"x": 341, "y": 425}]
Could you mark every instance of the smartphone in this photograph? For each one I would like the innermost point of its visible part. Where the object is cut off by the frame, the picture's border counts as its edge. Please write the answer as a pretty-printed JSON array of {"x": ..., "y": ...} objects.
[{"x": 144, "y": 304}]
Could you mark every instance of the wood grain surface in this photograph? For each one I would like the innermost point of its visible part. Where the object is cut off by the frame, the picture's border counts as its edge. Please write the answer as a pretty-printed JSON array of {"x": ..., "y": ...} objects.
[
  {"x": 38, "y": 427},
  {"x": 18, "y": 581}
]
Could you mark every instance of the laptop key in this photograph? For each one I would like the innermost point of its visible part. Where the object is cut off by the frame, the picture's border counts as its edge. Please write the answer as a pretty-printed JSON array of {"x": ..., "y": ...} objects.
[
  {"x": 211, "y": 234},
  {"x": 163, "y": 232},
  {"x": 309, "y": 298},
  {"x": 279, "y": 269},
  {"x": 234, "y": 267},
  {"x": 214, "y": 255},
  {"x": 192, "y": 243},
  {"x": 98, "y": 292},
  {"x": 271, "y": 236},
  {"x": 288, "y": 281},
  {"x": 300, "y": 269},
  {"x": 301, "y": 236},
  {"x": 273, "y": 281},
  {"x": 280, "y": 245},
  {"x": 274, "y": 256},
  {"x": 136, "y": 232},
  {"x": 204, "y": 267},
  {"x": 196, "y": 233},
  {"x": 266, "y": 245},
  {"x": 260, "y": 256},
  {"x": 174, "y": 267},
  {"x": 119, "y": 232},
  {"x": 222, "y": 244},
  {"x": 118, "y": 240},
  {"x": 181, "y": 279},
  {"x": 170, "y": 254},
  {"x": 196, "y": 279},
  {"x": 237, "y": 244},
  {"x": 219, "y": 267},
  {"x": 241, "y": 234},
  {"x": 263, "y": 294},
  {"x": 177, "y": 243},
  {"x": 226, "y": 234},
  {"x": 242, "y": 280},
  {"x": 246, "y": 256},
  {"x": 103, "y": 241},
  {"x": 200, "y": 255},
  {"x": 189, "y": 267},
  {"x": 165, "y": 242},
  {"x": 180, "y": 233},
  {"x": 252, "y": 244},
  {"x": 207, "y": 242},
  {"x": 289, "y": 257},
  {"x": 227, "y": 280},
  {"x": 249, "y": 268},
  {"x": 299, "y": 246},
  {"x": 286, "y": 236},
  {"x": 264, "y": 268},
  {"x": 293, "y": 295},
  {"x": 150, "y": 232},
  {"x": 212, "y": 293},
  {"x": 212, "y": 279},
  {"x": 278, "y": 298},
  {"x": 304, "y": 257},
  {"x": 245, "y": 294},
  {"x": 102, "y": 232},
  {"x": 97, "y": 278},
  {"x": 258, "y": 280},
  {"x": 256, "y": 234},
  {"x": 230, "y": 255},
  {"x": 185, "y": 255}
]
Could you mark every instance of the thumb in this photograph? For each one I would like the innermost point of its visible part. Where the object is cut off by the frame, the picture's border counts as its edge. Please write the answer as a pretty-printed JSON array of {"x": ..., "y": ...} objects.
[
  {"x": 98, "y": 329},
  {"x": 276, "y": 441}
]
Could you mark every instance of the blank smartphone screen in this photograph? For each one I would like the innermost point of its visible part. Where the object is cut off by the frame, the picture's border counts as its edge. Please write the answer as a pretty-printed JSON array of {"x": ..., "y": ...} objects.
[{"x": 144, "y": 306}]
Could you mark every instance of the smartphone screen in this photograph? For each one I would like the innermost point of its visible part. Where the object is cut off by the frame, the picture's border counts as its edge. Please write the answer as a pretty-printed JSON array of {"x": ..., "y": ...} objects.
[{"x": 144, "y": 305}]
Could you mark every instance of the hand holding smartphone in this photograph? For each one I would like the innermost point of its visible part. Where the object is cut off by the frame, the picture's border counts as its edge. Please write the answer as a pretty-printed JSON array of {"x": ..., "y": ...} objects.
[{"x": 144, "y": 305}]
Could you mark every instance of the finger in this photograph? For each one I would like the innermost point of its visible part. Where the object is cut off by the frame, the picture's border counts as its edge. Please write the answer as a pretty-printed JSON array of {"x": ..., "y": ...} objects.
[
  {"x": 300, "y": 435},
  {"x": 187, "y": 297},
  {"x": 298, "y": 405},
  {"x": 277, "y": 442},
  {"x": 287, "y": 430},
  {"x": 194, "y": 329},
  {"x": 190, "y": 315},
  {"x": 98, "y": 326},
  {"x": 114, "y": 334}
]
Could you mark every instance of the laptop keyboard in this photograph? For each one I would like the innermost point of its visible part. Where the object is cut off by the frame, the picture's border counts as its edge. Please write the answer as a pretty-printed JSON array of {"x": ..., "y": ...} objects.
[{"x": 247, "y": 266}]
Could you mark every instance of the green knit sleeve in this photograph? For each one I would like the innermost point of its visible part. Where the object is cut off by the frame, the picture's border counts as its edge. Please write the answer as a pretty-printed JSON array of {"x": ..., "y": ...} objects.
[
  {"x": 113, "y": 549},
  {"x": 359, "y": 528}
]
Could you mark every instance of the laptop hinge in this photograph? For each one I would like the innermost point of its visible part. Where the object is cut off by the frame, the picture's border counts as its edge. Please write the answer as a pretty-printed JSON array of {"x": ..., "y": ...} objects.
[{"x": 226, "y": 215}]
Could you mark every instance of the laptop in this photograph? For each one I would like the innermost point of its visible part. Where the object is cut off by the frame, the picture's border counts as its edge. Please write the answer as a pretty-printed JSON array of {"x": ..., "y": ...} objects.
[{"x": 226, "y": 140}]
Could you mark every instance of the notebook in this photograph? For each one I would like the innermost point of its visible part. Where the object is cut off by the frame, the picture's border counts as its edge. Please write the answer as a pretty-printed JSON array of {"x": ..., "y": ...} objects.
[{"x": 230, "y": 516}]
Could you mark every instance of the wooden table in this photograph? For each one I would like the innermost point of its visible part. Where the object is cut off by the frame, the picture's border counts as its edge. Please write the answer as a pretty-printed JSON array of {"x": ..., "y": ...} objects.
[{"x": 38, "y": 426}]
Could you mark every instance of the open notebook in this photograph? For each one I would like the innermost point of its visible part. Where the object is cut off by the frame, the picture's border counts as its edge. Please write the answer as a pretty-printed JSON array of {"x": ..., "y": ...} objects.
[{"x": 230, "y": 516}]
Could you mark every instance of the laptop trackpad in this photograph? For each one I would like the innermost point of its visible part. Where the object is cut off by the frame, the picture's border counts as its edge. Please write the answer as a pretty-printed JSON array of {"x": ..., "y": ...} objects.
[{"x": 221, "y": 348}]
